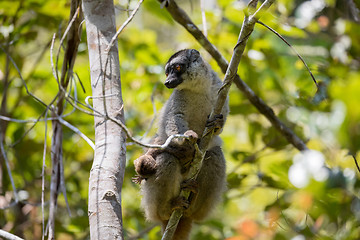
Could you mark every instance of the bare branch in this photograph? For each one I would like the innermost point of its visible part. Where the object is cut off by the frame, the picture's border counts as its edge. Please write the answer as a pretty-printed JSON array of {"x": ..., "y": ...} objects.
[
  {"x": 143, "y": 232},
  {"x": 154, "y": 113},
  {"x": 35, "y": 122},
  {"x": 54, "y": 71},
  {"x": 356, "y": 163},
  {"x": 77, "y": 131},
  {"x": 2, "y": 138},
  {"x": 203, "y": 16},
  {"x": 292, "y": 48},
  {"x": 124, "y": 25},
  {"x": 22, "y": 79},
  {"x": 183, "y": 19},
  {"x": 59, "y": 118},
  {"x": 43, "y": 181},
  {"x": 246, "y": 30},
  {"x": 9, "y": 236},
  {"x": 68, "y": 28},
  {"x": 129, "y": 136}
]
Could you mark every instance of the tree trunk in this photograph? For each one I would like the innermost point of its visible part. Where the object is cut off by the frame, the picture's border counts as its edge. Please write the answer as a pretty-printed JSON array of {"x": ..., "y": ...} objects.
[{"x": 107, "y": 173}]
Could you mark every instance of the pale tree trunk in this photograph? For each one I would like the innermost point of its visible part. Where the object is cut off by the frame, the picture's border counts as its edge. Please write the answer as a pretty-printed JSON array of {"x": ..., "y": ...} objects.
[{"x": 107, "y": 173}]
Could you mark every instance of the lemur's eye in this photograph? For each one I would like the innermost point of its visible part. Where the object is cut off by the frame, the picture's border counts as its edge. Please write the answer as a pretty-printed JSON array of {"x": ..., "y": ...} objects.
[
  {"x": 178, "y": 68},
  {"x": 166, "y": 74}
]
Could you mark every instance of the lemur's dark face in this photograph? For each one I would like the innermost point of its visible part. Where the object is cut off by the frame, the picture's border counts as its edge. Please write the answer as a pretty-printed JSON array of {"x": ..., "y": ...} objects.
[{"x": 178, "y": 65}]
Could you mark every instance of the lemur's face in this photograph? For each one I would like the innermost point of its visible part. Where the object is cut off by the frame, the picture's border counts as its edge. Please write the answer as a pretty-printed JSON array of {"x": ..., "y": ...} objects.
[{"x": 179, "y": 68}]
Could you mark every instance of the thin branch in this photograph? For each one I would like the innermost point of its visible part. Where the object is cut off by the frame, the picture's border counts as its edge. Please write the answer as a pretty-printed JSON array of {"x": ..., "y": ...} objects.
[
  {"x": 9, "y": 236},
  {"x": 203, "y": 17},
  {"x": 356, "y": 163},
  {"x": 35, "y": 122},
  {"x": 43, "y": 181},
  {"x": 143, "y": 232},
  {"x": 22, "y": 79},
  {"x": 74, "y": 129},
  {"x": 70, "y": 25},
  {"x": 2, "y": 139},
  {"x": 59, "y": 118},
  {"x": 183, "y": 19},
  {"x": 292, "y": 48},
  {"x": 127, "y": 131},
  {"x": 54, "y": 71},
  {"x": 77, "y": 131},
  {"x": 129, "y": 136},
  {"x": 124, "y": 25},
  {"x": 154, "y": 113}
]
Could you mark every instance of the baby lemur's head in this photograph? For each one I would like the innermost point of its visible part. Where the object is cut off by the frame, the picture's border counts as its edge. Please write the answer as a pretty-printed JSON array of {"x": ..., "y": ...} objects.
[{"x": 186, "y": 69}]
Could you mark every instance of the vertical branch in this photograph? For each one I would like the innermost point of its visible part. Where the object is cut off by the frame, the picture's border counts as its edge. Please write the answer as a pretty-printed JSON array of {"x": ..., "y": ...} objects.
[
  {"x": 56, "y": 160},
  {"x": 57, "y": 175},
  {"x": 203, "y": 16},
  {"x": 43, "y": 180},
  {"x": 107, "y": 172},
  {"x": 3, "y": 155},
  {"x": 248, "y": 26}
]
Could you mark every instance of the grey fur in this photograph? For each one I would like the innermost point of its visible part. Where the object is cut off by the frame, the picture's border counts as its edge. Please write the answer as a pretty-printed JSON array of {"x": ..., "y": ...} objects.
[{"x": 195, "y": 91}]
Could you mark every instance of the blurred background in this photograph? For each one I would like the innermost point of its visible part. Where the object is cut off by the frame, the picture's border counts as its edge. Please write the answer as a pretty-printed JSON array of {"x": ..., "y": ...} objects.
[{"x": 274, "y": 191}]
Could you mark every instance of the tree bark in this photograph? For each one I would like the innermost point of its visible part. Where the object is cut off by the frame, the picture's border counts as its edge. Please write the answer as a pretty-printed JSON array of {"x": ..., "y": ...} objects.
[{"x": 107, "y": 173}]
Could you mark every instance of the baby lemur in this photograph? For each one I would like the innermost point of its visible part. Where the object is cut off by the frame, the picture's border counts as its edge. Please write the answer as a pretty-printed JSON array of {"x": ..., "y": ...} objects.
[{"x": 162, "y": 172}]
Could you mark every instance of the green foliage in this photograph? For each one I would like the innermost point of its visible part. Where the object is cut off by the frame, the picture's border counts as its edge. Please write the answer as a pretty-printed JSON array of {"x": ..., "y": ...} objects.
[{"x": 264, "y": 200}]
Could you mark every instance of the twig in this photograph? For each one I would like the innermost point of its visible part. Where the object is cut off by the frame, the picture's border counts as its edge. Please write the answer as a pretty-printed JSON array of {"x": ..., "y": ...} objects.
[
  {"x": 49, "y": 106},
  {"x": 54, "y": 71},
  {"x": 154, "y": 113},
  {"x": 292, "y": 48},
  {"x": 43, "y": 181},
  {"x": 356, "y": 163},
  {"x": 2, "y": 138},
  {"x": 129, "y": 136},
  {"x": 59, "y": 118},
  {"x": 143, "y": 232},
  {"x": 92, "y": 97},
  {"x": 183, "y": 19},
  {"x": 77, "y": 131},
  {"x": 124, "y": 25},
  {"x": 64, "y": 69},
  {"x": 9, "y": 236},
  {"x": 74, "y": 129},
  {"x": 4, "y": 118},
  {"x": 22, "y": 79},
  {"x": 203, "y": 16}
]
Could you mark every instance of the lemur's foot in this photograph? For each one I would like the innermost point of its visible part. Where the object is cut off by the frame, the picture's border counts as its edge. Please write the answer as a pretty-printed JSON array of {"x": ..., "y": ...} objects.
[
  {"x": 216, "y": 123},
  {"x": 190, "y": 185},
  {"x": 179, "y": 203}
]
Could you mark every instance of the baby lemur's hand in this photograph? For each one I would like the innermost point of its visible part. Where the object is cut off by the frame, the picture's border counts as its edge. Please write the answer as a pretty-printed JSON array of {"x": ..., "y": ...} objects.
[{"x": 137, "y": 179}]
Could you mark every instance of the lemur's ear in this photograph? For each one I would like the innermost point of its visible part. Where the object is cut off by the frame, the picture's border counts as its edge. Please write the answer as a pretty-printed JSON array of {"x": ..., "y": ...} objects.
[{"x": 193, "y": 55}]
